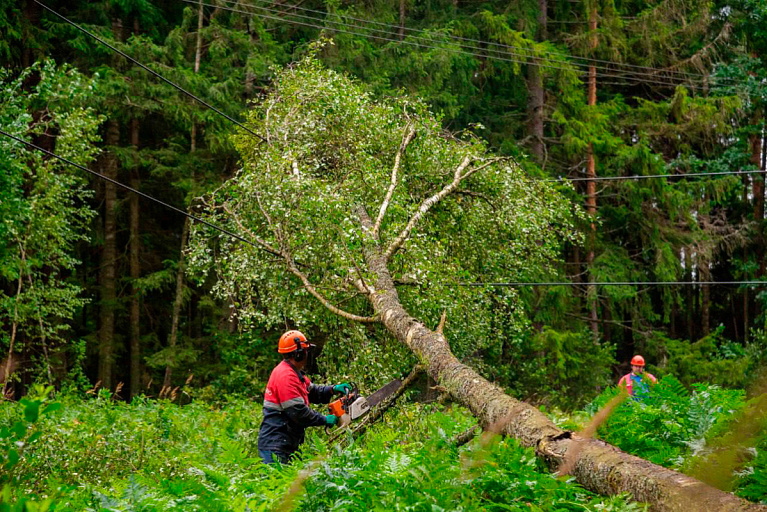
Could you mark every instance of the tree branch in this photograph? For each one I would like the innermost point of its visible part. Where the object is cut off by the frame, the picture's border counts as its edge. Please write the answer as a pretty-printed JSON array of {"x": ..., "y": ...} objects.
[
  {"x": 325, "y": 302},
  {"x": 395, "y": 169},
  {"x": 425, "y": 207},
  {"x": 268, "y": 248},
  {"x": 291, "y": 264},
  {"x": 458, "y": 177}
]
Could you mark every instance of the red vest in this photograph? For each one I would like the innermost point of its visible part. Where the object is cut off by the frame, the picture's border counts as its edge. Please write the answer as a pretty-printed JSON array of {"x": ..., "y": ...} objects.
[{"x": 628, "y": 383}]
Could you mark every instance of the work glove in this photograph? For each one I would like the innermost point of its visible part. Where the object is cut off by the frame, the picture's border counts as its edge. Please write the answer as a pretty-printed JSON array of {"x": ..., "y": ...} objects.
[
  {"x": 331, "y": 420},
  {"x": 342, "y": 388}
]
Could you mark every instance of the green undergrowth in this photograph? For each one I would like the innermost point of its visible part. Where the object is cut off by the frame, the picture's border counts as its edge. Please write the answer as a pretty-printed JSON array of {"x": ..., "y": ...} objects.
[
  {"x": 715, "y": 434},
  {"x": 101, "y": 455}
]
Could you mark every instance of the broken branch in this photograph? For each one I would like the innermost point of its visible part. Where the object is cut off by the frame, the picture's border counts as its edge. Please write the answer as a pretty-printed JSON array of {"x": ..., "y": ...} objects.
[{"x": 395, "y": 169}]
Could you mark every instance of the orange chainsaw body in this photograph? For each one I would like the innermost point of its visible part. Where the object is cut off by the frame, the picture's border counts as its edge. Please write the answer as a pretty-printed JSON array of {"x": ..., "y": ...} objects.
[
  {"x": 350, "y": 406},
  {"x": 337, "y": 407}
]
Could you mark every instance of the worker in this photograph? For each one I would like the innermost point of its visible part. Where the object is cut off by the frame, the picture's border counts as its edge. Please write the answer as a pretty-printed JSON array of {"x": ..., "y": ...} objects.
[
  {"x": 637, "y": 381},
  {"x": 286, "y": 401}
]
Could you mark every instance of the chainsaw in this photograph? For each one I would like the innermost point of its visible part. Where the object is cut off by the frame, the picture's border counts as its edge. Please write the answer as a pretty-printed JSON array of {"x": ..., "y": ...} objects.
[{"x": 353, "y": 406}]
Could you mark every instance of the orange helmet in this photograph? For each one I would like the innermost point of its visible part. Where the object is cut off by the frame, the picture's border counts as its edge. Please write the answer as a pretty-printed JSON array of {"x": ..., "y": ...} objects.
[
  {"x": 292, "y": 341},
  {"x": 637, "y": 361}
]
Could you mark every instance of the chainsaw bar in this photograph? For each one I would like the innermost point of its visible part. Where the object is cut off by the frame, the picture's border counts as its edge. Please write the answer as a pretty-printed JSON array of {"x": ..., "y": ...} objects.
[{"x": 384, "y": 393}]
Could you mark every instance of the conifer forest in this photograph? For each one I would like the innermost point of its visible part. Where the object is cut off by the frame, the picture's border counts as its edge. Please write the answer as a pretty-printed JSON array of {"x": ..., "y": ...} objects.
[{"x": 524, "y": 243}]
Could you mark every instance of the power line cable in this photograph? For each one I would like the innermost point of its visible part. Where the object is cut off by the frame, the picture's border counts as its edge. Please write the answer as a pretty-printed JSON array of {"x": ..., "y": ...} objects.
[
  {"x": 282, "y": 13},
  {"x": 394, "y": 30},
  {"x": 601, "y": 178},
  {"x": 156, "y": 74},
  {"x": 281, "y": 16},
  {"x": 651, "y": 176}
]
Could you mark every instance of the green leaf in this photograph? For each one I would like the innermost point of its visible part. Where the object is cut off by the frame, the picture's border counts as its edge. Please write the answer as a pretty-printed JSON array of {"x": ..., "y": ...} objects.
[
  {"x": 19, "y": 429},
  {"x": 13, "y": 457},
  {"x": 32, "y": 411},
  {"x": 51, "y": 408}
]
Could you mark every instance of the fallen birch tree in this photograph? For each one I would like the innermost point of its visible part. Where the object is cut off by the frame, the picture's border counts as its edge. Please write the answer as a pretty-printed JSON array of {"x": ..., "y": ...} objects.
[{"x": 349, "y": 198}]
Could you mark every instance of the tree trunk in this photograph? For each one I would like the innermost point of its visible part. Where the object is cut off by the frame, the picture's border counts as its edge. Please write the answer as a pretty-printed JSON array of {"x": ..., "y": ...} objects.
[
  {"x": 762, "y": 255},
  {"x": 401, "y": 20},
  {"x": 108, "y": 271},
  {"x": 704, "y": 273},
  {"x": 536, "y": 93},
  {"x": 689, "y": 302},
  {"x": 108, "y": 260},
  {"x": 197, "y": 57},
  {"x": 177, "y": 302},
  {"x": 596, "y": 465},
  {"x": 577, "y": 264},
  {"x": 757, "y": 189},
  {"x": 135, "y": 273},
  {"x": 591, "y": 186},
  {"x": 15, "y": 324},
  {"x": 32, "y": 19}
]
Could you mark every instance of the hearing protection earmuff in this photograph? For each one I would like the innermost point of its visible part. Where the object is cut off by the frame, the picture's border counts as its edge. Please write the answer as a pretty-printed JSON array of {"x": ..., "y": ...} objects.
[{"x": 301, "y": 351}]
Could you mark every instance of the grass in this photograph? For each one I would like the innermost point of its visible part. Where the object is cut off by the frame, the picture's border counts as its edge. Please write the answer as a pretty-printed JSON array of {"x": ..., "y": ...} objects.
[{"x": 97, "y": 454}]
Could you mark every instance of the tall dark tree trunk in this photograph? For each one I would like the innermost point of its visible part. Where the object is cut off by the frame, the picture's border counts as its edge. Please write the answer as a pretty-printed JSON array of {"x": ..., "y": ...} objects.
[
  {"x": 401, "y": 20},
  {"x": 535, "y": 106},
  {"x": 179, "y": 299},
  {"x": 177, "y": 302},
  {"x": 197, "y": 58},
  {"x": 591, "y": 186},
  {"x": 704, "y": 274},
  {"x": 762, "y": 255},
  {"x": 689, "y": 298},
  {"x": 577, "y": 264},
  {"x": 757, "y": 190},
  {"x": 31, "y": 19},
  {"x": 135, "y": 271},
  {"x": 108, "y": 271},
  {"x": 596, "y": 465}
]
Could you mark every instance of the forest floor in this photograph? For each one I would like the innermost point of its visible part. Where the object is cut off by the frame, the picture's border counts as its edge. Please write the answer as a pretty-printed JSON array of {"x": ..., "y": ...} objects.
[{"x": 101, "y": 454}]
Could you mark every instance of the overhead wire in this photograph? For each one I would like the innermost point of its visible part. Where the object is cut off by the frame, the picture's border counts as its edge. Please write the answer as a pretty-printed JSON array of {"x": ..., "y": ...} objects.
[
  {"x": 283, "y": 10},
  {"x": 599, "y": 178},
  {"x": 151, "y": 71},
  {"x": 282, "y": 13},
  {"x": 651, "y": 176},
  {"x": 394, "y": 29},
  {"x": 319, "y": 23}
]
